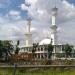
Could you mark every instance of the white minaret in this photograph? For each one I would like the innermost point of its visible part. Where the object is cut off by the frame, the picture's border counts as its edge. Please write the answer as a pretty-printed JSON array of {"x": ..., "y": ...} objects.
[
  {"x": 28, "y": 33},
  {"x": 54, "y": 27}
]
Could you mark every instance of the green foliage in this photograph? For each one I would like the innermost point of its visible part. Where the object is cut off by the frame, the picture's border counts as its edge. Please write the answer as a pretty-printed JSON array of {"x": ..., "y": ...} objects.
[
  {"x": 17, "y": 48},
  {"x": 50, "y": 49},
  {"x": 34, "y": 49},
  {"x": 38, "y": 72},
  {"x": 5, "y": 49},
  {"x": 68, "y": 49}
]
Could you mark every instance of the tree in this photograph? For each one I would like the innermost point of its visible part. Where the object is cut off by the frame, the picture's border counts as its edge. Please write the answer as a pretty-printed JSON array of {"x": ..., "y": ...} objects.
[
  {"x": 1, "y": 49},
  {"x": 68, "y": 49},
  {"x": 17, "y": 48},
  {"x": 5, "y": 49},
  {"x": 50, "y": 49},
  {"x": 34, "y": 49}
]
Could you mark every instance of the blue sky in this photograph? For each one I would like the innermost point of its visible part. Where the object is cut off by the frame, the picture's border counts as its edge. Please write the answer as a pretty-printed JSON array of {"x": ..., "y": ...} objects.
[
  {"x": 13, "y": 15},
  {"x": 72, "y": 1},
  {"x": 7, "y": 5}
]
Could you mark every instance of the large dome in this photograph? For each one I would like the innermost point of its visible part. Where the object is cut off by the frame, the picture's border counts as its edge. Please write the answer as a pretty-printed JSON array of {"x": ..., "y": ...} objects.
[{"x": 45, "y": 41}]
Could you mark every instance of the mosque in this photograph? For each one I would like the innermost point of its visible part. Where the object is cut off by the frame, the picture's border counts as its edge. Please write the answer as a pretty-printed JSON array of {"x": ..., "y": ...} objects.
[{"x": 41, "y": 51}]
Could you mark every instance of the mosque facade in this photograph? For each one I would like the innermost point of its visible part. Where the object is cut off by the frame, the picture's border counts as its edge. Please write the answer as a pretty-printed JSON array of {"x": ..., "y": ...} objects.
[{"x": 42, "y": 50}]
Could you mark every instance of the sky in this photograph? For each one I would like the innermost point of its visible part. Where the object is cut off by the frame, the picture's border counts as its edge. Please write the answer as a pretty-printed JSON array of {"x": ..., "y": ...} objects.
[{"x": 13, "y": 15}]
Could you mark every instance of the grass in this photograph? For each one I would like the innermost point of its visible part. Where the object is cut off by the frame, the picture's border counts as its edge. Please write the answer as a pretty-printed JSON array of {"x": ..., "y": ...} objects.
[{"x": 38, "y": 72}]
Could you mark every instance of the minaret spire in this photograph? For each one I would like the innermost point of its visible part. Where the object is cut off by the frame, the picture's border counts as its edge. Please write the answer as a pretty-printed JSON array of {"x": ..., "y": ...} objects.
[
  {"x": 54, "y": 15},
  {"x": 29, "y": 24},
  {"x": 54, "y": 27},
  {"x": 28, "y": 33}
]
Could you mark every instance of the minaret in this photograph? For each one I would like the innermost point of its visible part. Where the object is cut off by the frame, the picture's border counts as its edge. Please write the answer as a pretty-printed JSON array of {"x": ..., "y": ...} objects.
[
  {"x": 54, "y": 27},
  {"x": 28, "y": 33}
]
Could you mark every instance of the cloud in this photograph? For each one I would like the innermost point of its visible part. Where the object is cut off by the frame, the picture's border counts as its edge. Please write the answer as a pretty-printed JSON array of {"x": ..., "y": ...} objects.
[
  {"x": 40, "y": 10},
  {"x": 32, "y": 2},
  {"x": 14, "y": 13},
  {"x": 24, "y": 7},
  {"x": 70, "y": 8},
  {"x": 33, "y": 29},
  {"x": 8, "y": 31},
  {"x": 13, "y": 30}
]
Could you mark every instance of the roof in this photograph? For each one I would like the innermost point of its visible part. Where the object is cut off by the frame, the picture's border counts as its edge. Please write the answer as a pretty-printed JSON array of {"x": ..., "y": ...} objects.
[{"x": 45, "y": 41}]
